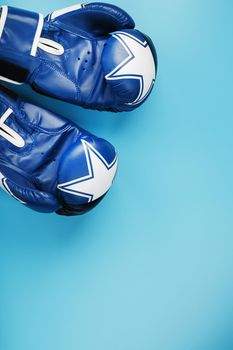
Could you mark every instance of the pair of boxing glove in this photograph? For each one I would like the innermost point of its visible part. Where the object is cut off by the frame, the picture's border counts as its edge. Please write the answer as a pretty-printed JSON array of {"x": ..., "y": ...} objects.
[{"x": 89, "y": 55}]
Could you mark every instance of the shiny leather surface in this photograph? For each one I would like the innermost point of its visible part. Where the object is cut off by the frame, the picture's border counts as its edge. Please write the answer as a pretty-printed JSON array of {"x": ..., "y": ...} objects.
[
  {"x": 53, "y": 153},
  {"x": 78, "y": 75}
]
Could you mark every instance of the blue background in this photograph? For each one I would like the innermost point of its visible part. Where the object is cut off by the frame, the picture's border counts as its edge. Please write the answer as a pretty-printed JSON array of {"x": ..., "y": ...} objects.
[{"x": 151, "y": 267}]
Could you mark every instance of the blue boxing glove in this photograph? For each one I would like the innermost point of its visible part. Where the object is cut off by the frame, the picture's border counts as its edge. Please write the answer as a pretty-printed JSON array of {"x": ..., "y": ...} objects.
[
  {"x": 49, "y": 164},
  {"x": 89, "y": 55}
]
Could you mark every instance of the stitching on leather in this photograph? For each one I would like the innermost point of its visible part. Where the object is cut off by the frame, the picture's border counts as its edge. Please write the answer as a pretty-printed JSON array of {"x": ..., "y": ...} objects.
[
  {"x": 99, "y": 11},
  {"x": 41, "y": 129},
  {"x": 29, "y": 177},
  {"x": 62, "y": 73}
]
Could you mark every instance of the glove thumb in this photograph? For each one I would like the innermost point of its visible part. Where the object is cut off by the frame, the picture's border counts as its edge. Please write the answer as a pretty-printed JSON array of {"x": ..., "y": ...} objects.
[
  {"x": 96, "y": 18},
  {"x": 32, "y": 198}
]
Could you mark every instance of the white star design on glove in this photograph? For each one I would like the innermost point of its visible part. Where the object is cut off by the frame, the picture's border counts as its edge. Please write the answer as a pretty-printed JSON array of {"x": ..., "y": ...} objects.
[
  {"x": 138, "y": 65},
  {"x": 99, "y": 179}
]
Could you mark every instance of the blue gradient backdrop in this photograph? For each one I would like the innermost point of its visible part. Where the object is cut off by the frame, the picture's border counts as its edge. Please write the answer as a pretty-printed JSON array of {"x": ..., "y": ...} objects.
[{"x": 151, "y": 267}]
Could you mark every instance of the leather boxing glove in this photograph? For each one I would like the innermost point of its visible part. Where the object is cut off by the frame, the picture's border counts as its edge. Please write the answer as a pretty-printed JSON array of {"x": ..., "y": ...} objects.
[
  {"x": 88, "y": 54},
  {"x": 49, "y": 164}
]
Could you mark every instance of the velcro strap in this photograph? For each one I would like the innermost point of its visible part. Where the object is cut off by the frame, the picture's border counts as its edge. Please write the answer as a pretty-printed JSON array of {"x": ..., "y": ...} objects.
[{"x": 20, "y": 30}]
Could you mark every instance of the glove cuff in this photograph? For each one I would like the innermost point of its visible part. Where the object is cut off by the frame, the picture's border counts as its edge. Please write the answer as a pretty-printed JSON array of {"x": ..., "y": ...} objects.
[
  {"x": 13, "y": 23},
  {"x": 20, "y": 32}
]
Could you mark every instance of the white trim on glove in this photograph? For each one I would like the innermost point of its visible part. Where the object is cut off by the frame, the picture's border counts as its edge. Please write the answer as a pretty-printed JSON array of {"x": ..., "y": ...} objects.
[
  {"x": 3, "y": 18},
  {"x": 9, "y": 134},
  {"x": 65, "y": 10},
  {"x": 37, "y": 35}
]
